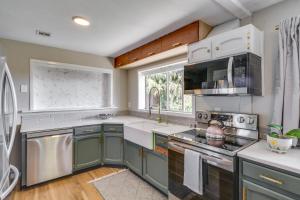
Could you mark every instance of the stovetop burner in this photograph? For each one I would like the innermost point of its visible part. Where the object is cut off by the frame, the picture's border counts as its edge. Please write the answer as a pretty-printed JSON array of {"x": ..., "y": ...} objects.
[{"x": 198, "y": 137}]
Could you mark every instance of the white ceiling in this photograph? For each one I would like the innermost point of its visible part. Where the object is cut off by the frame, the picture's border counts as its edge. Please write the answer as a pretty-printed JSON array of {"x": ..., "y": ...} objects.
[{"x": 116, "y": 25}]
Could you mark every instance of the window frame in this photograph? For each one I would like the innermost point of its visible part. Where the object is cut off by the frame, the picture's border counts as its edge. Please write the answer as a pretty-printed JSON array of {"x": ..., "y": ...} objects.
[{"x": 163, "y": 69}]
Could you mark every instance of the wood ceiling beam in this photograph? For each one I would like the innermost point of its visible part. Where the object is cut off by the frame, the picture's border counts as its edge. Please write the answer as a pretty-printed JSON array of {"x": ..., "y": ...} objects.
[{"x": 235, "y": 7}]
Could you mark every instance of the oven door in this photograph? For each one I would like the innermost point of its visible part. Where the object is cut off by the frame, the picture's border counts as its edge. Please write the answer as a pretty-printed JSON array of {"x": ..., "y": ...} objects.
[{"x": 218, "y": 183}]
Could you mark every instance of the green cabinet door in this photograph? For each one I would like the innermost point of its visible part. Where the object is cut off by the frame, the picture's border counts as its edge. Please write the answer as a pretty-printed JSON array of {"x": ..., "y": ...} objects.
[
  {"x": 155, "y": 169},
  {"x": 87, "y": 151},
  {"x": 252, "y": 191},
  {"x": 133, "y": 157},
  {"x": 113, "y": 148}
]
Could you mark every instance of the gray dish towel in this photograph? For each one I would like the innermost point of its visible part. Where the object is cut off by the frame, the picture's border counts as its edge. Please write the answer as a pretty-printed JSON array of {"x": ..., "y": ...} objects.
[{"x": 193, "y": 171}]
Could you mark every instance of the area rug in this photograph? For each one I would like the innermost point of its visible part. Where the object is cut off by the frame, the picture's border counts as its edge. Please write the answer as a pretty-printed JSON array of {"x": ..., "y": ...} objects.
[{"x": 125, "y": 185}]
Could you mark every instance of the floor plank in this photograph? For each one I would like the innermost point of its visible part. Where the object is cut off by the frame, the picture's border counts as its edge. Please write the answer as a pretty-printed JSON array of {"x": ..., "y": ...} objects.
[{"x": 76, "y": 187}]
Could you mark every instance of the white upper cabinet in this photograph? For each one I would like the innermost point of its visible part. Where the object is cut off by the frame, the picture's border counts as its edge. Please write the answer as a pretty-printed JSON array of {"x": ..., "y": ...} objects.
[
  {"x": 200, "y": 51},
  {"x": 241, "y": 40}
]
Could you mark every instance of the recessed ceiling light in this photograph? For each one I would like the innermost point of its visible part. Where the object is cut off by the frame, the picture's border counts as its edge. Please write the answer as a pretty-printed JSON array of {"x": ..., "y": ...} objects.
[{"x": 81, "y": 21}]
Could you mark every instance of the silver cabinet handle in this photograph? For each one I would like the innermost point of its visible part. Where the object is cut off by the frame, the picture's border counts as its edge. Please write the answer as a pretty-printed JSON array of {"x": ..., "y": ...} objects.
[{"x": 270, "y": 179}]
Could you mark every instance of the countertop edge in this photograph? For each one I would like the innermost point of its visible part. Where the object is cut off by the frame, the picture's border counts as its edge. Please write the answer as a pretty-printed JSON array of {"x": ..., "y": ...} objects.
[{"x": 276, "y": 164}]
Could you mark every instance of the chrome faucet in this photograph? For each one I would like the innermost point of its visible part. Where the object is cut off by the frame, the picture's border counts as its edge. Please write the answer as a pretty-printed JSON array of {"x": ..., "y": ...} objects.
[{"x": 150, "y": 107}]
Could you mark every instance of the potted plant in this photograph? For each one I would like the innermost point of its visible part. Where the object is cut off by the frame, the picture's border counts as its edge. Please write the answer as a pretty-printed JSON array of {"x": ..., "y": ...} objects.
[
  {"x": 295, "y": 134},
  {"x": 277, "y": 141}
]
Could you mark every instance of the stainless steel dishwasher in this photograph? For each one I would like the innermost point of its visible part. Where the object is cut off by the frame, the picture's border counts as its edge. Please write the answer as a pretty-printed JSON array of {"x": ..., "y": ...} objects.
[{"x": 49, "y": 155}]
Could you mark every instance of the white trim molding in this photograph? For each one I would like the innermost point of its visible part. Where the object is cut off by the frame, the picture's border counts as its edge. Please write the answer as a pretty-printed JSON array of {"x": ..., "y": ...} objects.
[{"x": 107, "y": 85}]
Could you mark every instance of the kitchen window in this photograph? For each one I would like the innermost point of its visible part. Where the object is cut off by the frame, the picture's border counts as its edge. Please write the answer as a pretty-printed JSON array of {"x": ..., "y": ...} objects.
[{"x": 169, "y": 80}]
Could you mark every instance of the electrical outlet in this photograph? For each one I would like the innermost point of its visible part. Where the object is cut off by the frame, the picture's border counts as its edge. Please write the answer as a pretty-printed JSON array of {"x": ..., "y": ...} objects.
[{"x": 218, "y": 109}]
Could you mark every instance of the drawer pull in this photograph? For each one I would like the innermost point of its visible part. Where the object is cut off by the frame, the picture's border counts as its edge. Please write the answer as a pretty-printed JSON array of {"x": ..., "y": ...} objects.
[
  {"x": 176, "y": 44},
  {"x": 217, "y": 48},
  {"x": 272, "y": 180},
  {"x": 208, "y": 51}
]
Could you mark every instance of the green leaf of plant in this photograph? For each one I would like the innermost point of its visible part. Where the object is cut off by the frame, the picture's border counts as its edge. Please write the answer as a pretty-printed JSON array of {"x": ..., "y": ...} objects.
[
  {"x": 274, "y": 135},
  {"x": 294, "y": 133},
  {"x": 276, "y": 126}
]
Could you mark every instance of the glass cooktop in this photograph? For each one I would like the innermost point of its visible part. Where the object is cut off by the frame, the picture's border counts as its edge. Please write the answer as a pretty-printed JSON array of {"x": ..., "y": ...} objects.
[{"x": 229, "y": 143}]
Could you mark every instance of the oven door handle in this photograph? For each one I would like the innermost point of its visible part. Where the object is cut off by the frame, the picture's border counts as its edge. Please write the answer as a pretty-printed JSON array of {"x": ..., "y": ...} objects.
[{"x": 215, "y": 161}]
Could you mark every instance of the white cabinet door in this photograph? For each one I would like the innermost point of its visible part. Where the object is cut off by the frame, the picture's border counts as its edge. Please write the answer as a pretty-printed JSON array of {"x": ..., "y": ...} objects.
[
  {"x": 200, "y": 51},
  {"x": 230, "y": 43}
]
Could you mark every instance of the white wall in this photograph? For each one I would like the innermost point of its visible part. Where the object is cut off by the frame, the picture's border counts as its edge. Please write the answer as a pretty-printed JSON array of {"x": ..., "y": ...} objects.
[
  {"x": 265, "y": 20},
  {"x": 19, "y": 55}
]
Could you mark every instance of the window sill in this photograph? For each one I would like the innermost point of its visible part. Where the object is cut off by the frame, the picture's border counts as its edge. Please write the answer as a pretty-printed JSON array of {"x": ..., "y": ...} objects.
[{"x": 169, "y": 113}]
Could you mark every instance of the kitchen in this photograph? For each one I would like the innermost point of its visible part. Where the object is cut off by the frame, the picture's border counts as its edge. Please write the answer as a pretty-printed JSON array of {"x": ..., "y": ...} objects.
[{"x": 188, "y": 104}]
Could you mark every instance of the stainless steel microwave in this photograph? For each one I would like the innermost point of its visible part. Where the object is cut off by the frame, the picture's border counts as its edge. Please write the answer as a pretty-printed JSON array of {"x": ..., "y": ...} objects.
[{"x": 235, "y": 75}]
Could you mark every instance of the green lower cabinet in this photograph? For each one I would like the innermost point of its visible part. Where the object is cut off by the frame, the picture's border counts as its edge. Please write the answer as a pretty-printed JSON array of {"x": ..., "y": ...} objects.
[
  {"x": 155, "y": 169},
  {"x": 113, "y": 148},
  {"x": 133, "y": 157},
  {"x": 87, "y": 151},
  {"x": 252, "y": 191},
  {"x": 262, "y": 182}
]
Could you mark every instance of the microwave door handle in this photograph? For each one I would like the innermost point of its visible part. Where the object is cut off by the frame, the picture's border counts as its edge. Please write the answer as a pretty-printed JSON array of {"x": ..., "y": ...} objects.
[
  {"x": 229, "y": 72},
  {"x": 15, "y": 112},
  {"x": 13, "y": 184}
]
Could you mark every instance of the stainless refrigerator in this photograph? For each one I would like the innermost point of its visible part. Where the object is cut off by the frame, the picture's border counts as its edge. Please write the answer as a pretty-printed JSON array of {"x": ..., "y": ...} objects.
[{"x": 9, "y": 174}]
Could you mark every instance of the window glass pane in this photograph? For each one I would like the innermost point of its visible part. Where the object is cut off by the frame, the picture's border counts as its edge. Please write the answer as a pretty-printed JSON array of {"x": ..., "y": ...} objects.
[
  {"x": 175, "y": 90},
  {"x": 158, "y": 80},
  {"x": 170, "y": 84},
  {"x": 187, "y": 103}
]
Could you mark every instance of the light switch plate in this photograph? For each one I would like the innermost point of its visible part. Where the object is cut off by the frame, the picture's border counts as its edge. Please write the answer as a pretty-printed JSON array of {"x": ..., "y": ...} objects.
[{"x": 24, "y": 88}]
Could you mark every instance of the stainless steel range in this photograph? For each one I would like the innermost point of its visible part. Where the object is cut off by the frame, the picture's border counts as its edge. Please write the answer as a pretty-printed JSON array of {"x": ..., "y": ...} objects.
[{"x": 219, "y": 160}]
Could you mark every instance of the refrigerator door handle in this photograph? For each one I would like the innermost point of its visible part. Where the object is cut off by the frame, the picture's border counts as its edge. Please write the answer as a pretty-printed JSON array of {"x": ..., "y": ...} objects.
[
  {"x": 5, "y": 193},
  {"x": 14, "y": 99}
]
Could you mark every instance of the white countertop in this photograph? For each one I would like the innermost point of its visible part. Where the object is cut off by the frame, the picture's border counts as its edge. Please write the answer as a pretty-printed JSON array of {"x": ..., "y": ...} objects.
[
  {"x": 260, "y": 153},
  {"x": 130, "y": 121}
]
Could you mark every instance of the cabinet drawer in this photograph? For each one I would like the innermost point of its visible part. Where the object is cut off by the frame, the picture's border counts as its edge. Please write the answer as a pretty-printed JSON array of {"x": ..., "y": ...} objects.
[
  {"x": 115, "y": 128},
  {"x": 161, "y": 141},
  {"x": 121, "y": 60},
  {"x": 135, "y": 55},
  {"x": 185, "y": 35},
  {"x": 87, "y": 129},
  {"x": 161, "y": 145},
  {"x": 151, "y": 49},
  {"x": 271, "y": 177}
]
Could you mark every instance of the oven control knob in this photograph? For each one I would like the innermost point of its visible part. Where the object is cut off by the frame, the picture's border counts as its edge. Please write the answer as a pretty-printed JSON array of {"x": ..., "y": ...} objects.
[
  {"x": 241, "y": 119},
  {"x": 250, "y": 120},
  {"x": 199, "y": 115},
  {"x": 205, "y": 116}
]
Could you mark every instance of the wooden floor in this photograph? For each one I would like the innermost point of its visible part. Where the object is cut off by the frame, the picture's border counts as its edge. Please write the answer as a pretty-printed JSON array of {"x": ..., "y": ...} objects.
[{"x": 74, "y": 187}]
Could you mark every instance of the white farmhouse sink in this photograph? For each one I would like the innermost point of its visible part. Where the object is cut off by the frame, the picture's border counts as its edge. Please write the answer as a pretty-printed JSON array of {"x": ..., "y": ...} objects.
[{"x": 141, "y": 132}]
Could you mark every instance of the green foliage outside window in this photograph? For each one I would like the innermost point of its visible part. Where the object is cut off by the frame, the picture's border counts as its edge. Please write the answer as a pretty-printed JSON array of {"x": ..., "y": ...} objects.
[{"x": 170, "y": 85}]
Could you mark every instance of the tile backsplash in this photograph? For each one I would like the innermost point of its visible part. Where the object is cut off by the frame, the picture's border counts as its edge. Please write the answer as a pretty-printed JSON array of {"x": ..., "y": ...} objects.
[{"x": 236, "y": 104}]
